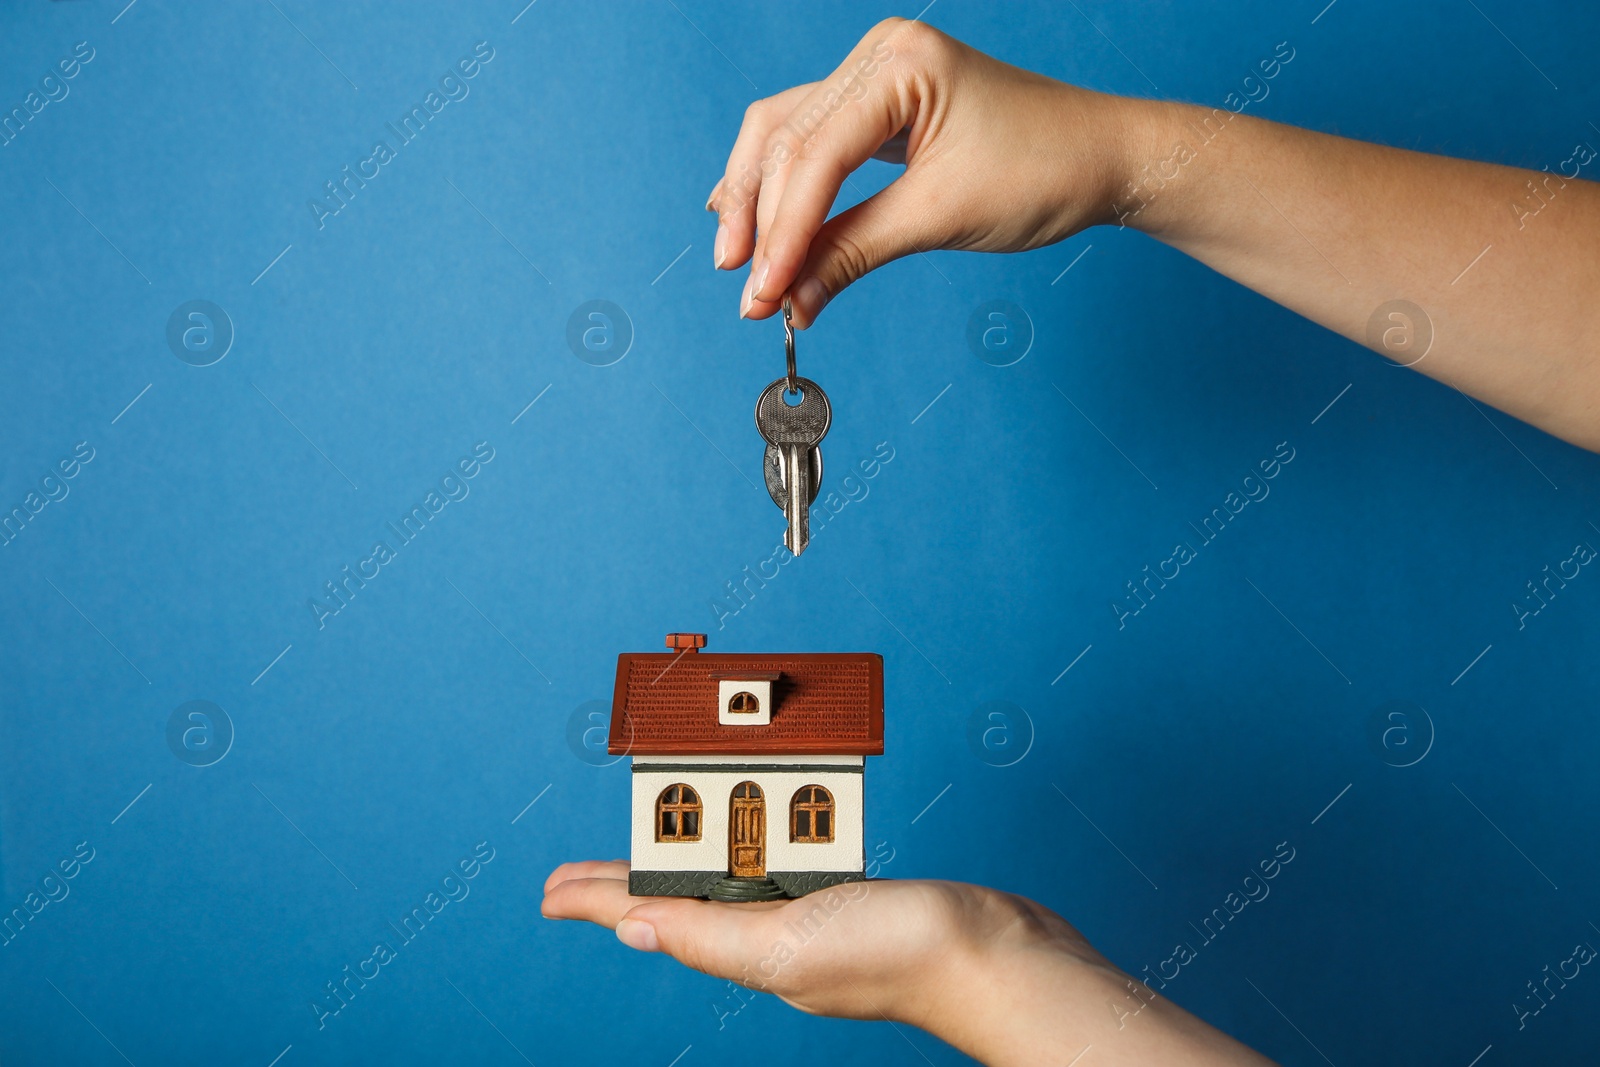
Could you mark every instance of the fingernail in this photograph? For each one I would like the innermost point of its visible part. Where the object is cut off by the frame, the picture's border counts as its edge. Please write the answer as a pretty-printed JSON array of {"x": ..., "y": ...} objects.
[
  {"x": 812, "y": 296},
  {"x": 712, "y": 199},
  {"x": 719, "y": 251},
  {"x": 638, "y": 934},
  {"x": 745, "y": 301},
  {"x": 760, "y": 277}
]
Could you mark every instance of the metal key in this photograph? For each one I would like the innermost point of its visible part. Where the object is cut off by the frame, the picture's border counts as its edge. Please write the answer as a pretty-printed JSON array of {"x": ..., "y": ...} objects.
[
  {"x": 772, "y": 469},
  {"x": 795, "y": 430}
]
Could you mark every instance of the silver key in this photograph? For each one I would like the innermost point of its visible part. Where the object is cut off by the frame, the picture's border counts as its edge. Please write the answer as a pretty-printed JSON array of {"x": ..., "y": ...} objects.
[
  {"x": 795, "y": 430},
  {"x": 772, "y": 469}
]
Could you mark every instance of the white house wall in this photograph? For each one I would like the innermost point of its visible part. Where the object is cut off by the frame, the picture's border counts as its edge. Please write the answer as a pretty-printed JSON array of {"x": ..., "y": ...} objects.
[
  {"x": 715, "y": 788},
  {"x": 644, "y": 761}
]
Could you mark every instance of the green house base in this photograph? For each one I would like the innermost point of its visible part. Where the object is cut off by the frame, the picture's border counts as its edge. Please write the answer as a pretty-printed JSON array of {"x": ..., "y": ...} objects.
[{"x": 701, "y": 883}]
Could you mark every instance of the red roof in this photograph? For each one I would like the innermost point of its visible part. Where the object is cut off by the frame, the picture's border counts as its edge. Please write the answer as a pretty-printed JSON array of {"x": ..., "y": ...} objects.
[{"x": 824, "y": 704}]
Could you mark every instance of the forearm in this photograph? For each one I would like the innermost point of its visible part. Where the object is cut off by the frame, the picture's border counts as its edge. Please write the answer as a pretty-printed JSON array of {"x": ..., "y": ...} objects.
[
  {"x": 1505, "y": 263},
  {"x": 1041, "y": 1004}
]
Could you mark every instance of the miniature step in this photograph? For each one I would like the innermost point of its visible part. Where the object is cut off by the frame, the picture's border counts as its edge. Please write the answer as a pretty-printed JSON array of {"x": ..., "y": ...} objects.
[{"x": 738, "y": 890}]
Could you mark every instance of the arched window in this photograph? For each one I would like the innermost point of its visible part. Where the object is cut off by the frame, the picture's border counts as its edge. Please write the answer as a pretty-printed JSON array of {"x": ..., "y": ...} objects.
[
  {"x": 678, "y": 814},
  {"x": 745, "y": 703},
  {"x": 811, "y": 815}
]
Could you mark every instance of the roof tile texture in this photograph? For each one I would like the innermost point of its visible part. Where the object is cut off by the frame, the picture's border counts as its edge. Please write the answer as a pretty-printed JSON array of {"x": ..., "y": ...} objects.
[{"x": 823, "y": 704}]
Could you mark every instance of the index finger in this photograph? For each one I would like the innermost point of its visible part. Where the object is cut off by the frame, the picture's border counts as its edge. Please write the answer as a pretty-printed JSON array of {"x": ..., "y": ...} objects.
[
  {"x": 587, "y": 869},
  {"x": 838, "y": 126}
]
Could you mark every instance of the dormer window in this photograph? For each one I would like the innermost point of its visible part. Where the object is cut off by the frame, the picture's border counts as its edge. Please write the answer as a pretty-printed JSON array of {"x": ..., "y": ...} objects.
[{"x": 745, "y": 698}]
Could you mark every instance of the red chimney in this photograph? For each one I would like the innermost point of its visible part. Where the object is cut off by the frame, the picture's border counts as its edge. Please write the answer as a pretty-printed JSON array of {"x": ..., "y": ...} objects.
[{"x": 686, "y": 642}]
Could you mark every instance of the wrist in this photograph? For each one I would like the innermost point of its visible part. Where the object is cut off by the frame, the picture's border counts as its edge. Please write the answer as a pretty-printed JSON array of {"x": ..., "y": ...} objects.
[
  {"x": 1050, "y": 1001},
  {"x": 1032, "y": 990},
  {"x": 1149, "y": 164},
  {"x": 1004, "y": 997}
]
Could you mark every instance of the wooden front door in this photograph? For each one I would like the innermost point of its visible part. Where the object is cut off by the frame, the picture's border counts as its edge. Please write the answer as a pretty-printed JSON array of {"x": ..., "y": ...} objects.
[{"x": 747, "y": 832}]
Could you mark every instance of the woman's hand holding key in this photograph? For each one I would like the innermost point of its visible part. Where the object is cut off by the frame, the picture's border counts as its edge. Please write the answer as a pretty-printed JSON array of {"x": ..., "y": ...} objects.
[
  {"x": 979, "y": 174},
  {"x": 1001, "y": 160}
]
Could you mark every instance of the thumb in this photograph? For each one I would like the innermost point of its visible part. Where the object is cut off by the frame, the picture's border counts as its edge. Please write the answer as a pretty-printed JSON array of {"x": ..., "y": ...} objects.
[
  {"x": 894, "y": 222},
  {"x": 719, "y": 939}
]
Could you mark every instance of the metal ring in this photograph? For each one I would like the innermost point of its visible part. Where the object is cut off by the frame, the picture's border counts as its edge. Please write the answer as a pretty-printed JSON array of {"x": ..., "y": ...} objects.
[{"x": 788, "y": 341}]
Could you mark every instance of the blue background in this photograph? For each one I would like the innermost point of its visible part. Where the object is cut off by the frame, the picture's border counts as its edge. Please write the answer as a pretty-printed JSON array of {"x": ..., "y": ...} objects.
[{"x": 425, "y": 716}]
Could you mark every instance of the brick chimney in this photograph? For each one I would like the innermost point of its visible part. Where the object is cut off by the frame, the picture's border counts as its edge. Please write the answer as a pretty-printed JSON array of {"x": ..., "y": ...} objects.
[{"x": 686, "y": 642}]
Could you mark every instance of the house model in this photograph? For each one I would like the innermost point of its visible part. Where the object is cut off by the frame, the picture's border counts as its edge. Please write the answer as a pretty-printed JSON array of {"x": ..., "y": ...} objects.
[{"x": 747, "y": 769}]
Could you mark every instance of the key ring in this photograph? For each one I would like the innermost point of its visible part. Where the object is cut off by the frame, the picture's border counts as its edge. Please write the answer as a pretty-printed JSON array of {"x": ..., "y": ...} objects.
[{"x": 788, "y": 342}]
